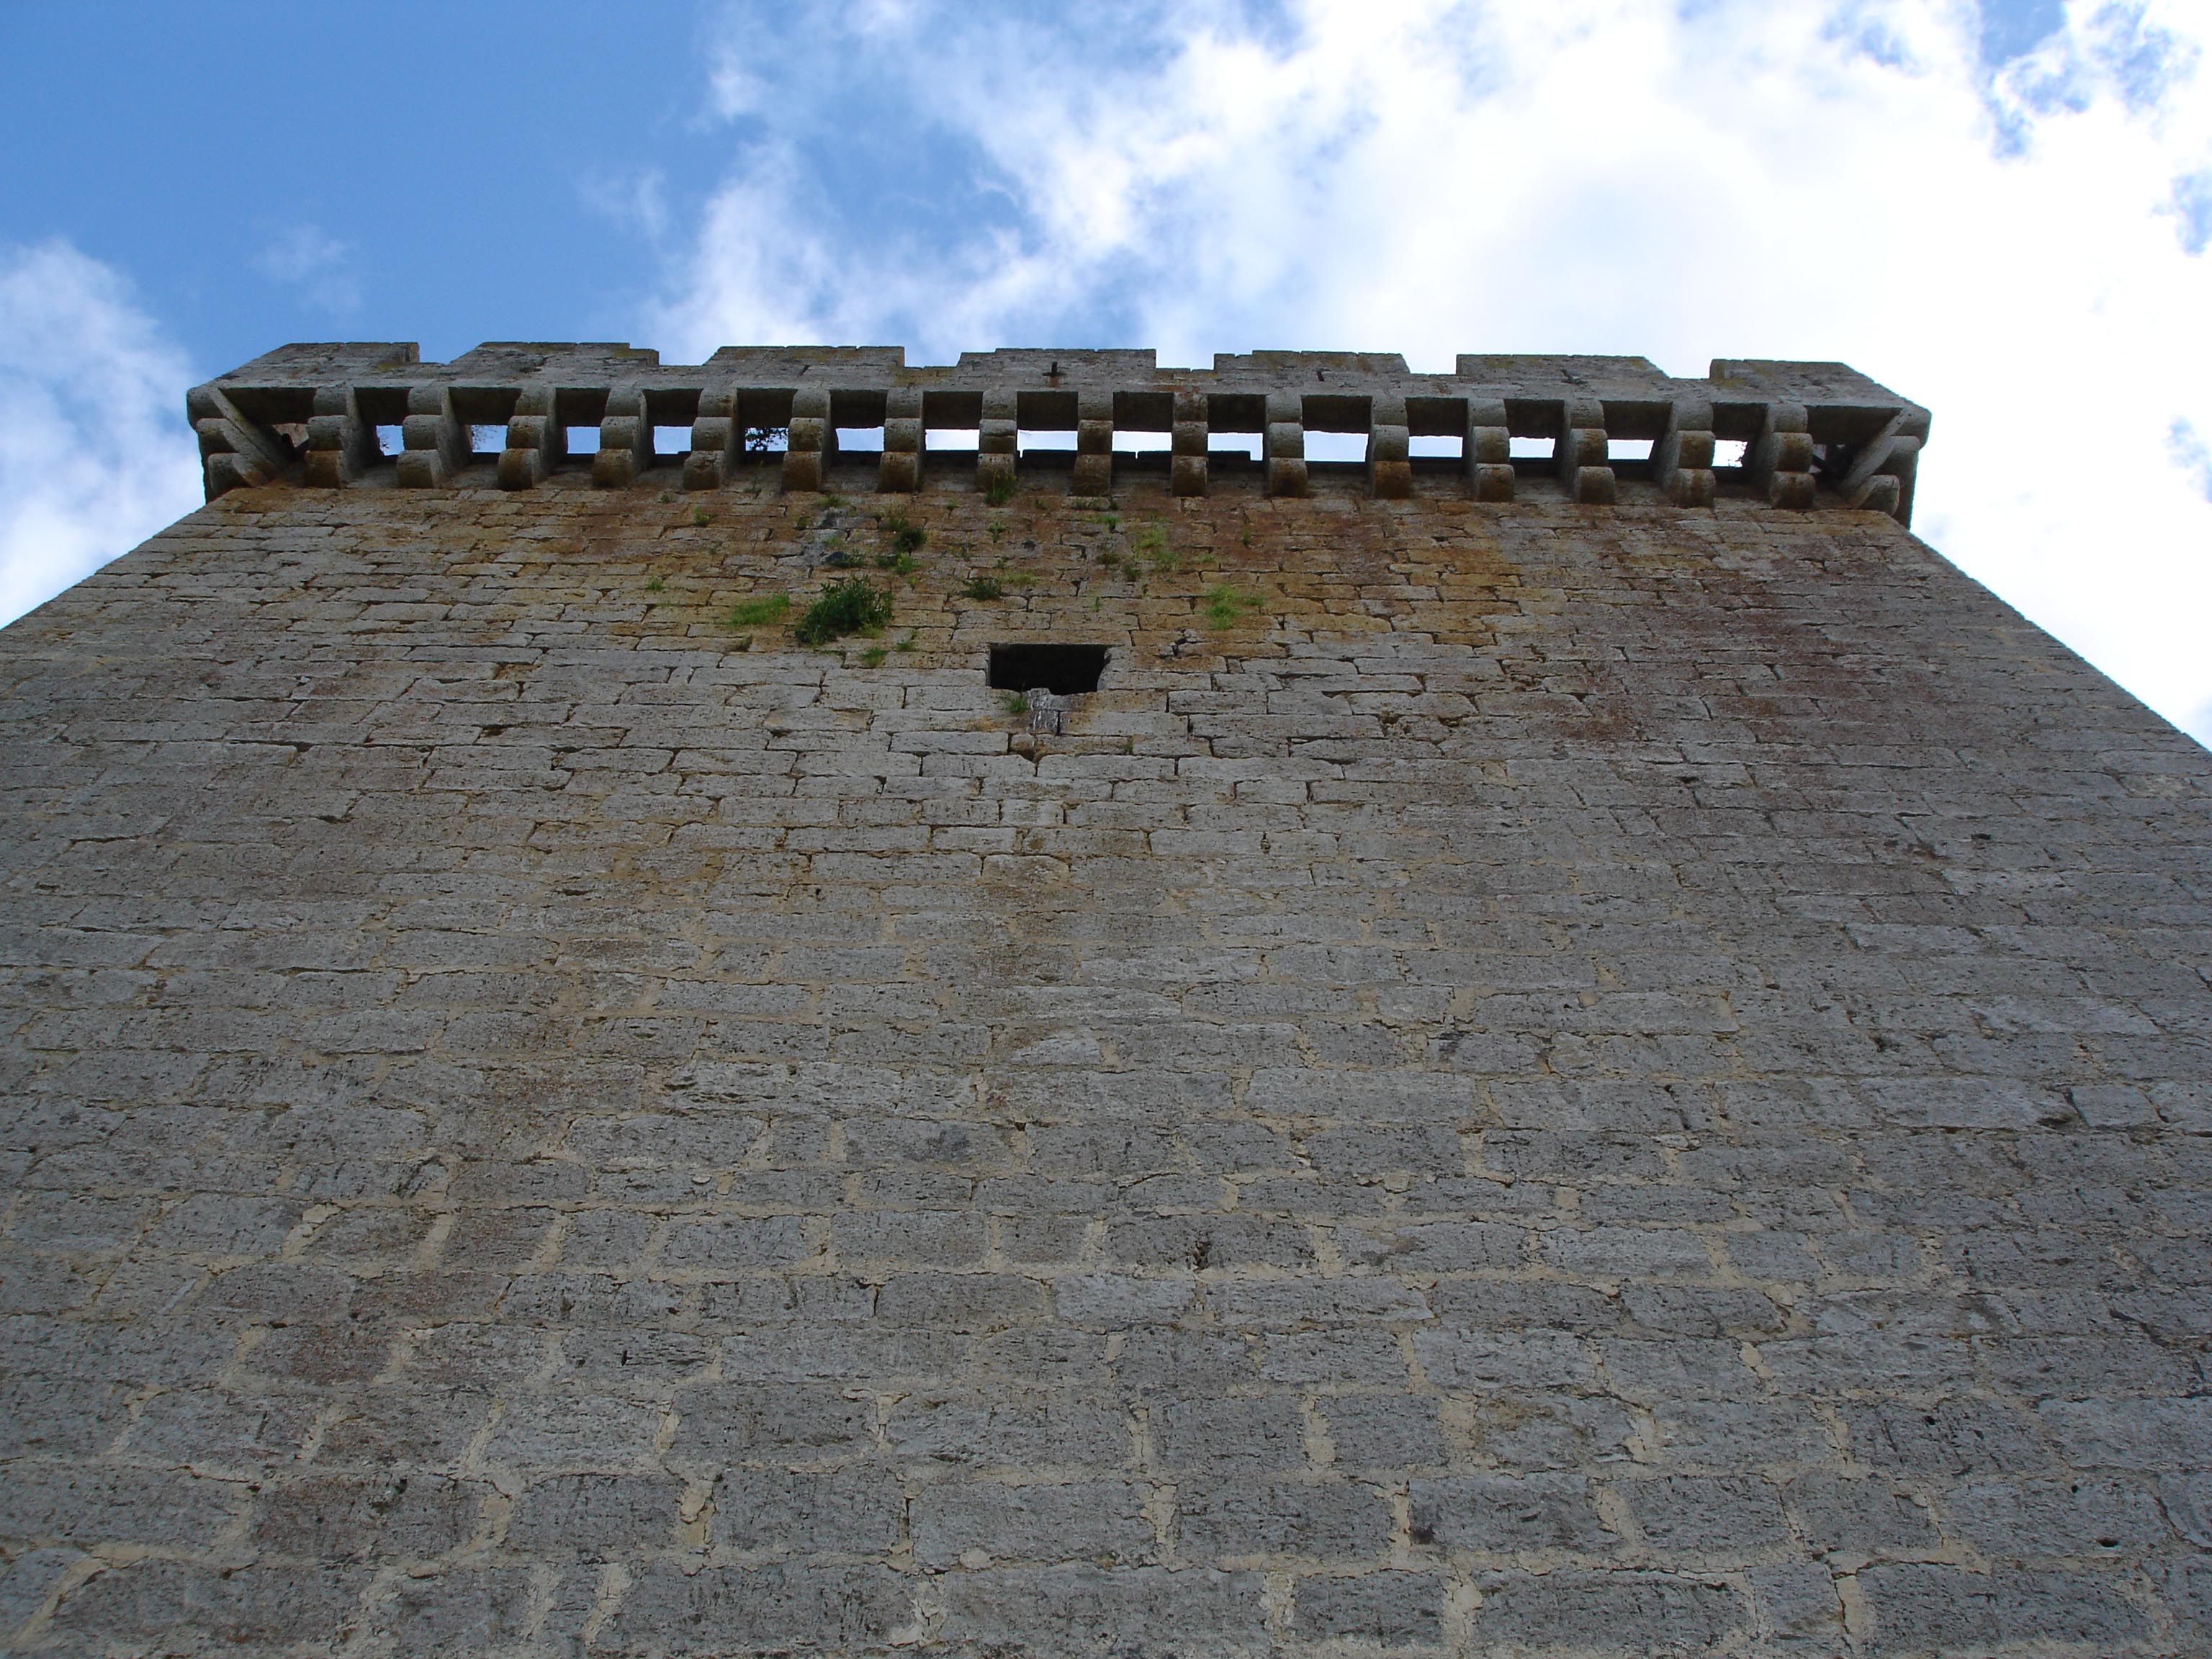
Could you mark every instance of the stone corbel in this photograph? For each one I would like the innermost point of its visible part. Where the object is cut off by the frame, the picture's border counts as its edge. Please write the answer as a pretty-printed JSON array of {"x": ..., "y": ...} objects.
[
  {"x": 536, "y": 439},
  {"x": 1682, "y": 459},
  {"x": 1880, "y": 476},
  {"x": 435, "y": 440},
  {"x": 1489, "y": 450},
  {"x": 235, "y": 453},
  {"x": 1187, "y": 464},
  {"x": 1779, "y": 462},
  {"x": 813, "y": 439},
  {"x": 625, "y": 442},
  {"x": 715, "y": 435},
  {"x": 995, "y": 442},
  {"x": 341, "y": 446},
  {"x": 904, "y": 441},
  {"x": 1389, "y": 449},
  {"x": 1094, "y": 443},
  {"x": 1585, "y": 469},
  {"x": 1286, "y": 445}
]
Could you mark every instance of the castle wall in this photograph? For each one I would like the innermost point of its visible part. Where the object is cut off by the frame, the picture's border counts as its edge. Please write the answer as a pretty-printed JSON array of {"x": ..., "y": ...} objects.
[{"x": 1522, "y": 1076}]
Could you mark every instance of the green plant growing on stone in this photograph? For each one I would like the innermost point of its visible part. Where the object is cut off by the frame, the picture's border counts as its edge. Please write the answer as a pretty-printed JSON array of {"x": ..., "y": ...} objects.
[
  {"x": 873, "y": 657},
  {"x": 700, "y": 515},
  {"x": 907, "y": 537},
  {"x": 1152, "y": 542},
  {"x": 655, "y": 586},
  {"x": 1224, "y": 606},
  {"x": 906, "y": 644},
  {"x": 851, "y": 605},
  {"x": 1018, "y": 702},
  {"x": 998, "y": 529},
  {"x": 899, "y": 564},
  {"x": 984, "y": 587},
  {"x": 763, "y": 612},
  {"x": 998, "y": 491}
]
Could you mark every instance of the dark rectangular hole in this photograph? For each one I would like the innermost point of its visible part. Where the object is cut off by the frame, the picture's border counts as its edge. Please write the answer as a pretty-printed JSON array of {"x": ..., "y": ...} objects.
[{"x": 1062, "y": 669}]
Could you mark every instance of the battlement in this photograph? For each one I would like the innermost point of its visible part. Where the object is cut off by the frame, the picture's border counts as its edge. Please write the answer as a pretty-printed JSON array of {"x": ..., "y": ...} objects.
[{"x": 1810, "y": 434}]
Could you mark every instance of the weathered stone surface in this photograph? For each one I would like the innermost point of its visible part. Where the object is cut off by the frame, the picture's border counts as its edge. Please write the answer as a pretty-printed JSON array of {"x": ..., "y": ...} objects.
[{"x": 1524, "y": 1076}]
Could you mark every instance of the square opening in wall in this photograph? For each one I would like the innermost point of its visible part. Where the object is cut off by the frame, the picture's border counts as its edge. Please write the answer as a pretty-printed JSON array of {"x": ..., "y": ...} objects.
[
  {"x": 1063, "y": 670},
  {"x": 390, "y": 441},
  {"x": 672, "y": 440},
  {"x": 487, "y": 440}
]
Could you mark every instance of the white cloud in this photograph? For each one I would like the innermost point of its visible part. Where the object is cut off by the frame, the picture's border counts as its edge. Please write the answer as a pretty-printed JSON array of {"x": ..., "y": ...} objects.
[
  {"x": 95, "y": 453},
  {"x": 2023, "y": 251},
  {"x": 303, "y": 256},
  {"x": 636, "y": 199}
]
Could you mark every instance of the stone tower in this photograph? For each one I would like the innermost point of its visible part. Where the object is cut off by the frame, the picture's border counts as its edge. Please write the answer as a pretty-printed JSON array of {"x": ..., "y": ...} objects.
[{"x": 1555, "y": 1040}]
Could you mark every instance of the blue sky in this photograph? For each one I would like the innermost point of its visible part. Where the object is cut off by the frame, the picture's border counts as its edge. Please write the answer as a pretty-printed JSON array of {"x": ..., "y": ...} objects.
[{"x": 2001, "y": 209}]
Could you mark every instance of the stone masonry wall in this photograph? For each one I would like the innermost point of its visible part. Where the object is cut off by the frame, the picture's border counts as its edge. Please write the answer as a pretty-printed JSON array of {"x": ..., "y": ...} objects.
[{"x": 1523, "y": 1078}]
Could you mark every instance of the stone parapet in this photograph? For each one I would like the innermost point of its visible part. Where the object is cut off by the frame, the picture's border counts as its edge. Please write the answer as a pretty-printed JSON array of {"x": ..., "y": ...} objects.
[{"x": 1809, "y": 433}]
